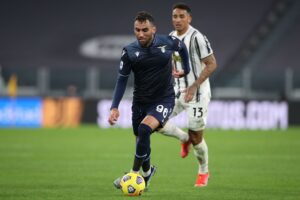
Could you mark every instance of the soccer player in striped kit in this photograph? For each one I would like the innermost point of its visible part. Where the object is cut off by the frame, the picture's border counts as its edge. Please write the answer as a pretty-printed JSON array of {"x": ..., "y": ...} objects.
[{"x": 193, "y": 91}]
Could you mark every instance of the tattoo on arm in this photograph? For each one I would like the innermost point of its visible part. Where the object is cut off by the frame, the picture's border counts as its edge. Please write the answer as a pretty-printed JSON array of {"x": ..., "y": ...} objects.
[{"x": 211, "y": 65}]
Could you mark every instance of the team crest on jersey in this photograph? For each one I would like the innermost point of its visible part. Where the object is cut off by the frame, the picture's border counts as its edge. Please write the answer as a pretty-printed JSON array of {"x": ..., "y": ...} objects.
[
  {"x": 162, "y": 48},
  {"x": 137, "y": 54}
]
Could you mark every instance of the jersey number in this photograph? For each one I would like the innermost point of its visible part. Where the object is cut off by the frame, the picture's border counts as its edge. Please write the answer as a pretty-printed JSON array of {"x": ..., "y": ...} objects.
[
  {"x": 198, "y": 112},
  {"x": 160, "y": 108}
]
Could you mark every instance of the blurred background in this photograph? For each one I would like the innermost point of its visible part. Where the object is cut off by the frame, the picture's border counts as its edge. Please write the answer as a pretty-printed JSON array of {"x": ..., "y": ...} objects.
[{"x": 59, "y": 60}]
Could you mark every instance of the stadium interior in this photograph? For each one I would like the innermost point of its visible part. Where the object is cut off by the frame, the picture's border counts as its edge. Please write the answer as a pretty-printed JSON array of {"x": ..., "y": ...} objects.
[
  {"x": 59, "y": 61},
  {"x": 72, "y": 48},
  {"x": 40, "y": 43}
]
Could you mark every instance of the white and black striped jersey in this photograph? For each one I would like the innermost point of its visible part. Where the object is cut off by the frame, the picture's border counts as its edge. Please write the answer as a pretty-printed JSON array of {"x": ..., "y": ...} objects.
[{"x": 198, "y": 48}]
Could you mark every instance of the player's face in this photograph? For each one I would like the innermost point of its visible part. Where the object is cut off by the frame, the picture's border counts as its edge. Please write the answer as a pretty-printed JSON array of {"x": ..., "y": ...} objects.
[
  {"x": 144, "y": 32},
  {"x": 181, "y": 20}
]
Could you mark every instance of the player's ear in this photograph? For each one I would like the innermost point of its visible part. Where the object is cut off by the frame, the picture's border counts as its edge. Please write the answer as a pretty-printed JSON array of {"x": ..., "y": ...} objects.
[
  {"x": 154, "y": 29},
  {"x": 190, "y": 19}
]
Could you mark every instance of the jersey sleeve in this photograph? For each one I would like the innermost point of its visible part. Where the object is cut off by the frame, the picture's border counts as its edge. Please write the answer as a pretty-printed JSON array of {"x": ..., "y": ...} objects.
[
  {"x": 179, "y": 46},
  {"x": 125, "y": 65},
  {"x": 176, "y": 43},
  {"x": 124, "y": 72},
  {"x": 202, "y": 46}
]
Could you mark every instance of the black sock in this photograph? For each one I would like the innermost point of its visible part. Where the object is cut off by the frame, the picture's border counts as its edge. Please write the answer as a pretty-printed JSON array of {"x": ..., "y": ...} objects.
[
  {"x": 146, "y": 164},
  {"x": 137, "y": 164},
  {"x": 142, "y": 146}
]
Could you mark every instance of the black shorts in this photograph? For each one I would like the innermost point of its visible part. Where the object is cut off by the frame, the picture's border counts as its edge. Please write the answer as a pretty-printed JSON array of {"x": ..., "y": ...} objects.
[{"x": 160, "y": 110}]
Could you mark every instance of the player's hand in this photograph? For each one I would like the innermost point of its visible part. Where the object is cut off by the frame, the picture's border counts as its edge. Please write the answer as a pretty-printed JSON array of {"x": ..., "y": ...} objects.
[
  {"x": 177, "y": 74},
  {"x": 189, "y": 93},
  {"x": 113, "y": 117}
]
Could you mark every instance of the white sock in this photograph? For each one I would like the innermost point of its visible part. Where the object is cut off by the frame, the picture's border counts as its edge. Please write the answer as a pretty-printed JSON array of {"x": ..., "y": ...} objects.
[
  {"x": 145, "y": 174},
  {"x": 170, "y": 130},
  {"x": 201, "y": 152}
]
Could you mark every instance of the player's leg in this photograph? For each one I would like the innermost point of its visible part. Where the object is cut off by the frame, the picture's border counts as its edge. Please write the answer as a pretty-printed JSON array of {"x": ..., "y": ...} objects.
[
  {"x": 200, "y": 149},
  {"x": 148, "y": 124},
  {"x": 197, "y": 113},
  {"x": 142, "y": 132},
  {"x": 169, "y": 129},
  {"x": 143, "y": 142},
  {"x": 148, "y": 170},
  {"x": 157, "y": 115},
  {"x": 137, "y": 117},
  {"x": 146, "y": 166},
  {"x": 201, "y": 153}
]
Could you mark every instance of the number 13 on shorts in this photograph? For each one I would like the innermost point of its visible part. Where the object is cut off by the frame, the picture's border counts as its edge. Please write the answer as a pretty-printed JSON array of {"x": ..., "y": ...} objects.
[{"x": 198, "y": 112}]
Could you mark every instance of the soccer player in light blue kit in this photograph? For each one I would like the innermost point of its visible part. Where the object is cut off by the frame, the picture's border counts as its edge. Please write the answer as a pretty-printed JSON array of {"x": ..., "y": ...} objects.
[{"x": 150, "y": 60}]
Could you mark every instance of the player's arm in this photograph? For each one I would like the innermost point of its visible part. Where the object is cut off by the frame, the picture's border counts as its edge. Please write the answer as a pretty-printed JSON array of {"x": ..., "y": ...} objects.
[
  {"x": 120, "y": 88},
  {"x": 211, "y": 65},
  {"x": 203, "y": 49},
  {"x": 185, "y": 58},
  {"x": 206, "y": 55},
  {"x": 182, "y": 50}
]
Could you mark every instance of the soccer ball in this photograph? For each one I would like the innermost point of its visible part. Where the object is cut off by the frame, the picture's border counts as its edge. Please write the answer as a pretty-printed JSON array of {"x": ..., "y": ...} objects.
[{"x": 132, "y": 184}]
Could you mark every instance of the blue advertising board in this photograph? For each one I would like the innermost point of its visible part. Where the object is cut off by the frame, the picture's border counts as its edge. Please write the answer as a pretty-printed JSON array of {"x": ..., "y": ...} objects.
[{"x": 21, "y": 112}]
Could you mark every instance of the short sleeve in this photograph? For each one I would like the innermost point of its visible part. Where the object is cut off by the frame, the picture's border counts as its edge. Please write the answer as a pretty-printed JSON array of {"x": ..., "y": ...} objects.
[{"x": 202, "y": 45}]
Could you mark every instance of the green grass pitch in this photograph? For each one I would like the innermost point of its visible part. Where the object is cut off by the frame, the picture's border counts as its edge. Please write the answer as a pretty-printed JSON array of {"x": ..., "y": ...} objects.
[{"x": 82, "y": 163}]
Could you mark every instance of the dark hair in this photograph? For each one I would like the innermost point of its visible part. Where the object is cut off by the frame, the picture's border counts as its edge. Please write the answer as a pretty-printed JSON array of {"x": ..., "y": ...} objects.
[
  {"x": 144, "y": 16},
  {"x": 182, "y": 6}
]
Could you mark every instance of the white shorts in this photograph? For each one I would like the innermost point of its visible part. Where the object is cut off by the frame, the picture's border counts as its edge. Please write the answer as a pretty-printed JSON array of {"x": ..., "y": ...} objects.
[{"x": 196, "y": 111}]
